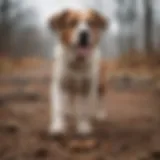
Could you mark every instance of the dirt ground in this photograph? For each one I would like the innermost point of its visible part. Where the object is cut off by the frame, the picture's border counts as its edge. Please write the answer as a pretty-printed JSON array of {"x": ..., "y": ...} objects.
[{"x": 131, "y": 131}]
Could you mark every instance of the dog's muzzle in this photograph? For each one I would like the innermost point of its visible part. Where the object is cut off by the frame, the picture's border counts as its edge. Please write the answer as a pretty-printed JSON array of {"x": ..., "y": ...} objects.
[
  {"x": 84, "y": 39},
  {"x": 83, "y": 47}
]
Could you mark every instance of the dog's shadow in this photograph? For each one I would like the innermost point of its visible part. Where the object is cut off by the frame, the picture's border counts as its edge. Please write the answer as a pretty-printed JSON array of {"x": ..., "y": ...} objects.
[{"x": 71, "y": 143}]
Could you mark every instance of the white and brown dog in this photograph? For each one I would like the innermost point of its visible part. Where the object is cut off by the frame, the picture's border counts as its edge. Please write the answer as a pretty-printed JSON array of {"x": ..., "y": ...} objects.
[{"x": 76, "y": 85}]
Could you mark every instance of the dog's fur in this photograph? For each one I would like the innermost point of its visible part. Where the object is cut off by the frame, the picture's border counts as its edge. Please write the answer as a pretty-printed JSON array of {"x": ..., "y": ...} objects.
[{"x": 76, "y": 86}]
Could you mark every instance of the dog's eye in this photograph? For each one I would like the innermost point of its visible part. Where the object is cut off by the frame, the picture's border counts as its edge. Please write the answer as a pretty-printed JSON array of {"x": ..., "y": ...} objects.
[
  {"x": 72, "y": 23},
  {"x": 92, "y": 23}
]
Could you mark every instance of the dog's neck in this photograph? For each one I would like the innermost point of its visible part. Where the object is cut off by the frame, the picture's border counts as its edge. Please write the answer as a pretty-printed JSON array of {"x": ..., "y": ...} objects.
[{"x": 69, "y": 59}]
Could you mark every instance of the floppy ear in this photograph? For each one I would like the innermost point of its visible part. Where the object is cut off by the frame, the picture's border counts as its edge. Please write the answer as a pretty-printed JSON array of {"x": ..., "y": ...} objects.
[
  {"x": 101, "y": 21},
  {"x": 57, "y": 22}
]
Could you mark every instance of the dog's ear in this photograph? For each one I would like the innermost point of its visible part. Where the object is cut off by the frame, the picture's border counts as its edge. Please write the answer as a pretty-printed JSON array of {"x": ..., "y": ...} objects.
[
  {"x": 101, "y": 21},
  {"x": 57, "y": 22}
]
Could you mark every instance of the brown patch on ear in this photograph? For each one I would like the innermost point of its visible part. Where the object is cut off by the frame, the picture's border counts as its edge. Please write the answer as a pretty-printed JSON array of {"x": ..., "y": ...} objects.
[
  {"x": 101, "y": 21},
  {"x": 57, "y": 22}
]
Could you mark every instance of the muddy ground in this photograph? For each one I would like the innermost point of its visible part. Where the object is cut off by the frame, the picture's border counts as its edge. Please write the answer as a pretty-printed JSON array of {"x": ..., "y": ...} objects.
[{"x": 131, "y": 131}]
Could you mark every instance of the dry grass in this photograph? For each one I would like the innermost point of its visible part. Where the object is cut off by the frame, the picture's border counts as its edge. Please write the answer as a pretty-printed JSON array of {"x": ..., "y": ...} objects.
[
  {"x": 8, "y": 65},
  {"x": 136, "y": 65},
  {"x": 133, "y": 65},
  {"x": 139, "y": 60}
]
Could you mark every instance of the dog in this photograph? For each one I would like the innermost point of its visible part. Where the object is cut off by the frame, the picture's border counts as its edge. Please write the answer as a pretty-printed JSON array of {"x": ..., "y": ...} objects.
[{"x": 76, "y": 85}]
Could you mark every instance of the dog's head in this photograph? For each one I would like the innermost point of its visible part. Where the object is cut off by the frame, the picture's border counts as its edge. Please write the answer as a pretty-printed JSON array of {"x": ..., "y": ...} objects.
[{"x": 79, "y": 31}]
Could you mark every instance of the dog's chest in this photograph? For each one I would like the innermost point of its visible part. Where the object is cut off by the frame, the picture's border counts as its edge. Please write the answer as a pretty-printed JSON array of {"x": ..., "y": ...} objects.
[{"x": 76, "y": 82}]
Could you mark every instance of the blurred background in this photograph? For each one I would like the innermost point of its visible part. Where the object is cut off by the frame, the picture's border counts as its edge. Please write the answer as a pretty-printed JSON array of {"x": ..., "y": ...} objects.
[
  {"x": 131, "y": 51},
  {"x": 134, "y": 25}
]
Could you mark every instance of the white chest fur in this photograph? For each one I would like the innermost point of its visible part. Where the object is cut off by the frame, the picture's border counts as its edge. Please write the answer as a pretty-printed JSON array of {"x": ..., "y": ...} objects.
[{"x": 68, "y": 81}]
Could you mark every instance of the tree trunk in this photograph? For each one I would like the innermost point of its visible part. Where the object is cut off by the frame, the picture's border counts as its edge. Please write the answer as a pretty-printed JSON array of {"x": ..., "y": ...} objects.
[
  {"x": 5, "y": 27},
  {"x": 148, "y": 26}
]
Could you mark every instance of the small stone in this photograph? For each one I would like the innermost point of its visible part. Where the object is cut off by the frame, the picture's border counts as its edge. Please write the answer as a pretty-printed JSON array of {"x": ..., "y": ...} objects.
[
  {"x": 11, "y": 128},
  {"x": 156, "y": 155},
  {"x": 83, "y": 145},
  {"x": 41, "y": 153}
]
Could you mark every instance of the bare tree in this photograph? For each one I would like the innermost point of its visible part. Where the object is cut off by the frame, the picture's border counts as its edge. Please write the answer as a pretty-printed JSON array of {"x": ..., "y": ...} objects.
[
  {"x": 126, "y": 16},
  {"x": 13, "y": 21},
  {"x": 148, "y": 25},
  {"x": 5, "y": 27},
  {"x": 9, "y": 10}
]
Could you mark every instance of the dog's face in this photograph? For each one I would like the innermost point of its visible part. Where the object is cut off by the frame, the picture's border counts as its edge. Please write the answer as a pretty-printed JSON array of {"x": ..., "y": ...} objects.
[{"x": 79, "y": 31}]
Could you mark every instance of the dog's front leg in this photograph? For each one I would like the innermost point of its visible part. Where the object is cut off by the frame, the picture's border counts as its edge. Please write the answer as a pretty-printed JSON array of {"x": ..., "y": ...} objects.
[
  {"x": 101, "y": 107},
  {"x": 83, "y": 115},
  {"x": 59, "y": 102}
]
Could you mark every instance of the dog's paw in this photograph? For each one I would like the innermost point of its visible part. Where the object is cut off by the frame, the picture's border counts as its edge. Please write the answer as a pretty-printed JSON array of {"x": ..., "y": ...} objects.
[
  {"x": 84, "y": 128},
  {"x": 58, "y": 134},
  {"x": 57, "y": 129}
]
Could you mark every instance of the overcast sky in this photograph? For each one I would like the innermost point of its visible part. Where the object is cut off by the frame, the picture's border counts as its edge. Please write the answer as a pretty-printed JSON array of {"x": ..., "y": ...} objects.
[{"x": 46, "y": 7}]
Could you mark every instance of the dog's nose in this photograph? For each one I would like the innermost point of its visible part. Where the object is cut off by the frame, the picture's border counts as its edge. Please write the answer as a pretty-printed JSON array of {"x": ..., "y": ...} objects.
[{"x": 84, "y": 38}]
